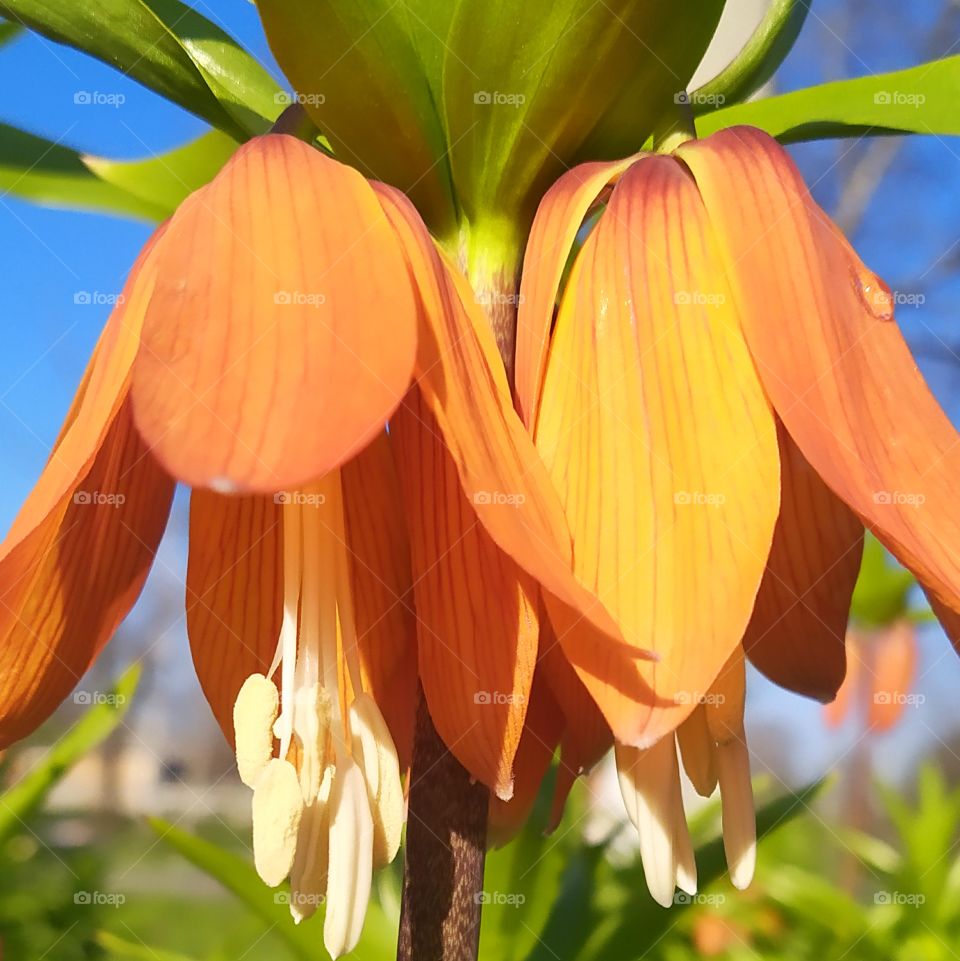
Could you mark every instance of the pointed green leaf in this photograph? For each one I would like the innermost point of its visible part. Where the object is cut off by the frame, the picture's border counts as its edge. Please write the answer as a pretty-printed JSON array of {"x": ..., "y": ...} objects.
[
  {"x": 169, "y": 48},
  {"x": 19, "y": 801},
  {"x": 9, "y": 31},
  {"x": 921, "y": 99},
  {"x": 119, "y": 949}
]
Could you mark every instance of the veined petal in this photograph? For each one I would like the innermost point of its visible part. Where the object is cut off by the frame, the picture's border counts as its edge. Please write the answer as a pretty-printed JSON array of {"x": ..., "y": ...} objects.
[
  {"x": 378, "y": 553},
  {"x": 68, "y": 579},
  {"x": 797, "y": 633},
  {"x": 476, "y": 609},
  {"x": 655, "y": 430},
  {"x": 281, "y": 332},
  {"x": 559, "y": 218},
  {"x": 234, "y": 593},
  {"x": 463, "y": 383},
  {"x": 836, "y": 369}
]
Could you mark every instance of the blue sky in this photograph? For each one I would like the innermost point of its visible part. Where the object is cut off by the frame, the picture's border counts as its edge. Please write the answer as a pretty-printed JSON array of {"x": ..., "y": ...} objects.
[{"x": 49, "y": 256}]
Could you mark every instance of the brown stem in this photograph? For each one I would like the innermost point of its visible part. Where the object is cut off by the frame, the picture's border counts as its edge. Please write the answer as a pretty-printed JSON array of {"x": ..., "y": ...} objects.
[{"x": 445, "y": 850}]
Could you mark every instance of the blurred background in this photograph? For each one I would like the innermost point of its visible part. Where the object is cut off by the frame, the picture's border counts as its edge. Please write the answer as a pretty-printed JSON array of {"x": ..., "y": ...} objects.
[{"x": 858, "y": 853}]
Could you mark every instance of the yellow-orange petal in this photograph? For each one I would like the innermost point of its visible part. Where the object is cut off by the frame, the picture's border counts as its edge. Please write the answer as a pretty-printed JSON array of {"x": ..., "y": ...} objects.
[
  {"x": 835, "y": 366},
  {"x": 281, "y": 332},
  {"x": 378, "y": 554},
  {"x": 796, "y": 636},
  {"x": 462, "y": 380},
  {"x": 234, "y": 593},
  {"x": 893, "y": 667},
  {"x": 847, "y": 696},
  {"x": 68, "y": 578},
  {"x": 555, "y": 227},
  {"x": 656, "y": 431},
  {"x": 476, "y": 616}
]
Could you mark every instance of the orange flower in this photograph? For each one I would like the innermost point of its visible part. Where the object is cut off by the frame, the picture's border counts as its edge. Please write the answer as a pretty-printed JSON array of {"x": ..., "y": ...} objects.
[
  {"x": 267, "y": 333},
  {"x": 722, "y": 402}
]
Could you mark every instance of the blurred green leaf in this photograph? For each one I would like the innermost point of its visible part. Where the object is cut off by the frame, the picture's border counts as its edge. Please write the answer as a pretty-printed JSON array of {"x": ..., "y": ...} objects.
[
  {"x": 122, "y": 950},
  {"x": 21, "y": 800},
  {"x": 760, "y": 58},
  {"x": 169, "y": 48},
  {"x": 52, "y": 174},
  {"x": 9, "y": 31},
  {"x": 883, "y": 587},
  {"x": 921, "y": 99}
]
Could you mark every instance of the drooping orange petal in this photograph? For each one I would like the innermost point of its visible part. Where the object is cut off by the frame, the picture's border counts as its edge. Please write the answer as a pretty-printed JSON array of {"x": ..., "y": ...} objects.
[
  {"x": 656, "y": 431},
  {"x": 68, "y": 583},
  {"x": 847, "y": 699},
  {"x": 797, "y": 633},
  {"x": 893, "y": 665},
  {"x": 77, "y": 554},
  {"x": 462, "y": 381},
  {"x": 281, "y": 332},
  {"x": 541, "y": 734},
  {"x": 835, "y": 367},
  {"x": 234, "y": 593},
  {"x": 476, "y": 614},
  {"x": 559, "y": 218},
  {"x": 379, "y": 557}
]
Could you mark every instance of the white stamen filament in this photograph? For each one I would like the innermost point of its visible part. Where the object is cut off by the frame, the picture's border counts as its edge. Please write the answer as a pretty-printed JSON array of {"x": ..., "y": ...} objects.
[{"x": 345, "y": 815}]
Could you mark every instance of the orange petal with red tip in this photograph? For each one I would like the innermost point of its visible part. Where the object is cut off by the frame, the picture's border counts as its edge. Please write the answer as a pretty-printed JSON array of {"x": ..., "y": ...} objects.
[
  {"x": 234, "y": 593},
  {"x": 282, "y": 329},
  {"x": 559, "y": 218},
  {"x": 835, "y": 367},
  {"x": 656, "y": 432},
  {"x": 797, "y": 634},
  {"x": 476, "y": 616},
  {"x": 461, "y": 377},
  {"x": 893, "y": 667},
  {"x": 378, "y": 554}
]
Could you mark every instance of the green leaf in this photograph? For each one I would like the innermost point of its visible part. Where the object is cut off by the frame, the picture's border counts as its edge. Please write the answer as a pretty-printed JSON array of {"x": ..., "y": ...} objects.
[
  {"x": 119, "y": 949},
  {"x": 882, "y": 592},
  {"x": 166, "y": 180},
  {"x": 21, "y": 800},
  {"x": 169, "y": 48},
  {"x": 760, "y": 58},
  {"x": 52, "y": 174},
  {"x": 921, "y": 99},
  {"x": 271, "y": 905},
  {"x": 9, "y": 31}
]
